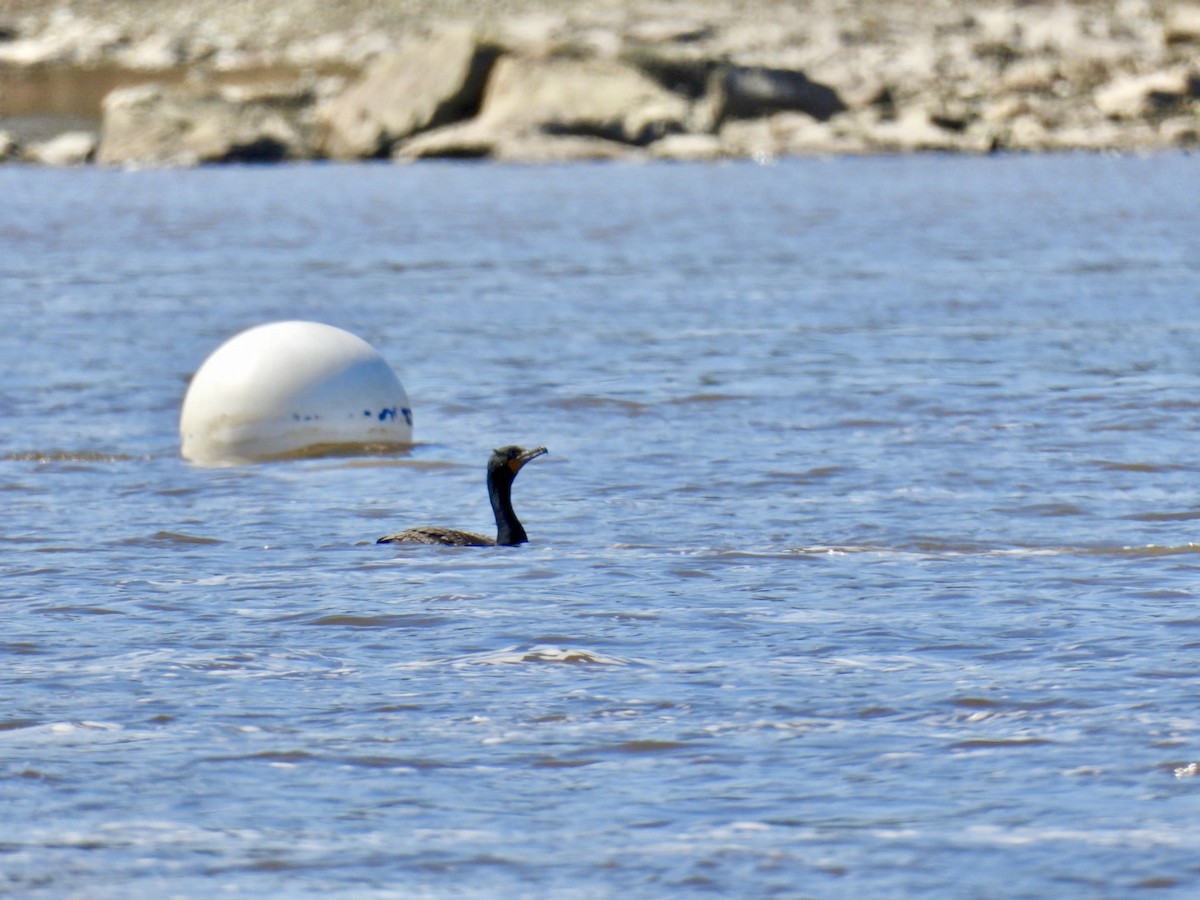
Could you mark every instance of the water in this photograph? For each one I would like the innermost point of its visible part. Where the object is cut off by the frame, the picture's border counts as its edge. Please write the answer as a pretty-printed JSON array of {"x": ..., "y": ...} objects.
[{"x": 865, "y": 560}]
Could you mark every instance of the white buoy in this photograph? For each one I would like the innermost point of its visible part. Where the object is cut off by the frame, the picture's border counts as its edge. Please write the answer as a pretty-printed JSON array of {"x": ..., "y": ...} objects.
[{"x": 292, "y": 389}]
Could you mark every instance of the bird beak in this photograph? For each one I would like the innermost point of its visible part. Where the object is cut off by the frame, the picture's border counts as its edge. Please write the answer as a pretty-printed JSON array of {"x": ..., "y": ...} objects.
[{"x": 525, "y": 457}]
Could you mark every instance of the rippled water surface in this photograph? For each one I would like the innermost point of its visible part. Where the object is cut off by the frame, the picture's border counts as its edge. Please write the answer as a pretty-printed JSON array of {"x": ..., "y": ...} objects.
[{"x": 865, "y": 561}]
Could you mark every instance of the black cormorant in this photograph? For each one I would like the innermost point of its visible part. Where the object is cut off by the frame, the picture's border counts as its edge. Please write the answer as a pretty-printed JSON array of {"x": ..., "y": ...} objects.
[{"x": 502, "y": 468}]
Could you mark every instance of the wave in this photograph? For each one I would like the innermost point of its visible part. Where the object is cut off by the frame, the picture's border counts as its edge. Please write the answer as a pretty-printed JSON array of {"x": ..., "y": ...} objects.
[
  {"x": 517, "y": 655},
  {"x": 948, "y": 548},
  {"x": 60, "y": 456}
]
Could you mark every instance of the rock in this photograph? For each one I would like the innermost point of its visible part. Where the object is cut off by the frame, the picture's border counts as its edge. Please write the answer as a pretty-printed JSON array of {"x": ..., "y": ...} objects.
[
  {"x": 1182, "y": 24},
  {"x": 1023, "y": 132},
  {"x": 1181, "y": 131},
  {"x": 424, "y": 86},
  {"x": 1144, "y": 96},
  {"x": 10, "y": 147},
  {"x": 558, "y": 108},
  {"x": 154, "y": 125},
  {"x": 679, "y": 71},
  {"x": 465, "y": 140},
  {"x": 590, "y": 97},
  {"x": 1033, "y": 75},
  {"x": 478, "y": 139},
  {"x": 750, "y": 139},
  {"x": 751, "y": 92},
  {"x": 615, "y": 79},
  {"x": 532, "y": 33},
  {"x": 688, "y": 147},
  {"x": 915, "y": 130},
  {"x": 1051, "y": 27},
  {"x": 75, "y": 148},
  {"x": 801, "y": 134},
  {"x": 74, "y": 41},
  {"x": 787, "y": 134},
  {"x": 670, "y": 31},
  {"x": 157, "y": 51},
  {"x": 541, "y": 148},
  {"x": 1104, "y": 135}
]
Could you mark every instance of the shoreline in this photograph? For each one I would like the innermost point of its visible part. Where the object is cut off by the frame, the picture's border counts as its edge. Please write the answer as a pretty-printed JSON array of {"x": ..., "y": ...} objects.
[{"x": 139, "y": 83}]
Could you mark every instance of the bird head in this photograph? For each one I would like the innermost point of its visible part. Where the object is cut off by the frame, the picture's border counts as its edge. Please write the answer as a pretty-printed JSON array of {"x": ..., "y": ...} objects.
[{"x": 507, "y": 461}]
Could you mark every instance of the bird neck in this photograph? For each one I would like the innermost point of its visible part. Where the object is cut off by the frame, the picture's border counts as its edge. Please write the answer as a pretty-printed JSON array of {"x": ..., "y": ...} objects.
[{"x": 508, "y": 527}]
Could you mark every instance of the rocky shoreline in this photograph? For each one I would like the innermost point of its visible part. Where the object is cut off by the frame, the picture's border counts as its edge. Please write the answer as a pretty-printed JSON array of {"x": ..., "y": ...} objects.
[{"x": 136, "y": 84}]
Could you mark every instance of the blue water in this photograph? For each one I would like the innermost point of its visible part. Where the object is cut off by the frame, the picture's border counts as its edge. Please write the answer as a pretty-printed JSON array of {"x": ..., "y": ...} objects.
[{"x": 865, "y": 561}]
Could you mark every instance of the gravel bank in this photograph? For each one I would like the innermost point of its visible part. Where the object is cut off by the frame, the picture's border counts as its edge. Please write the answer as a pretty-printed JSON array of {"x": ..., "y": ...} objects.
[{"x": 262, "y": 79}]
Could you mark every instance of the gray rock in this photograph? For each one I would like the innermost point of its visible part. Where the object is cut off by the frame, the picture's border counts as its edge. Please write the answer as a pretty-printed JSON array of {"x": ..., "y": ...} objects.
[
  {"x": 682, "y": 71},
  {"x": 751, "y": 92},
  {"x": 424, "y": 86},
  {"x": 154, "y": 125}
]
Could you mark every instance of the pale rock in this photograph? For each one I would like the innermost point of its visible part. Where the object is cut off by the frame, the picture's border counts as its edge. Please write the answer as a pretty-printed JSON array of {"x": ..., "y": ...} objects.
[
  {"x": 532, "y": 148},
  {"x": 74, "y": 148},
  {"x": 798, "y": 134},
  {"x": 1032, "y": 74},
  {"x": 790, "y": 134},
  {"x": 688, "y": 147},
  {"x": 1003, "y": 109},
  {"x": 231, "y": 59},
  {"x": 70, "y": 40},
  {"x": 423, "y": 86},
  {"x": 532, "y": 34},
  {"x": 583, "y": 97},
  {"x": 1024, "y": 132},
  {"x": 463, "y": 140},
  {"x": 1086, "y": 72},
  {"x": 750, "y": 139},
  {"x": 360, "y": 50},
  {"x": 477, "y": 139},
  {"x": 601, "y": 42},
  {"x": 669, "y": 31},
  {"x": 1141, "y": 96},
  {"x": 34, "y": 51},
  {"x": 158, "y": 51},
  {"x": 997, "y": 24},
  {"x": 1182, "y": 24},
  {"x": 911, "y": 131},
  {"x": 334, "y": 48},
  {"x": 1048, "y": 29},
  {"x": 1180, "y": 131},
  {"x": 1093, "y": 136},
  {"x": 154, "y": 125}
]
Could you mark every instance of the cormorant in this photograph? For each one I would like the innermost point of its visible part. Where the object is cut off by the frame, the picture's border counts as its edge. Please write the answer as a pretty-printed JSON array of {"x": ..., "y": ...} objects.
[{"x": 502, "y": 468}]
